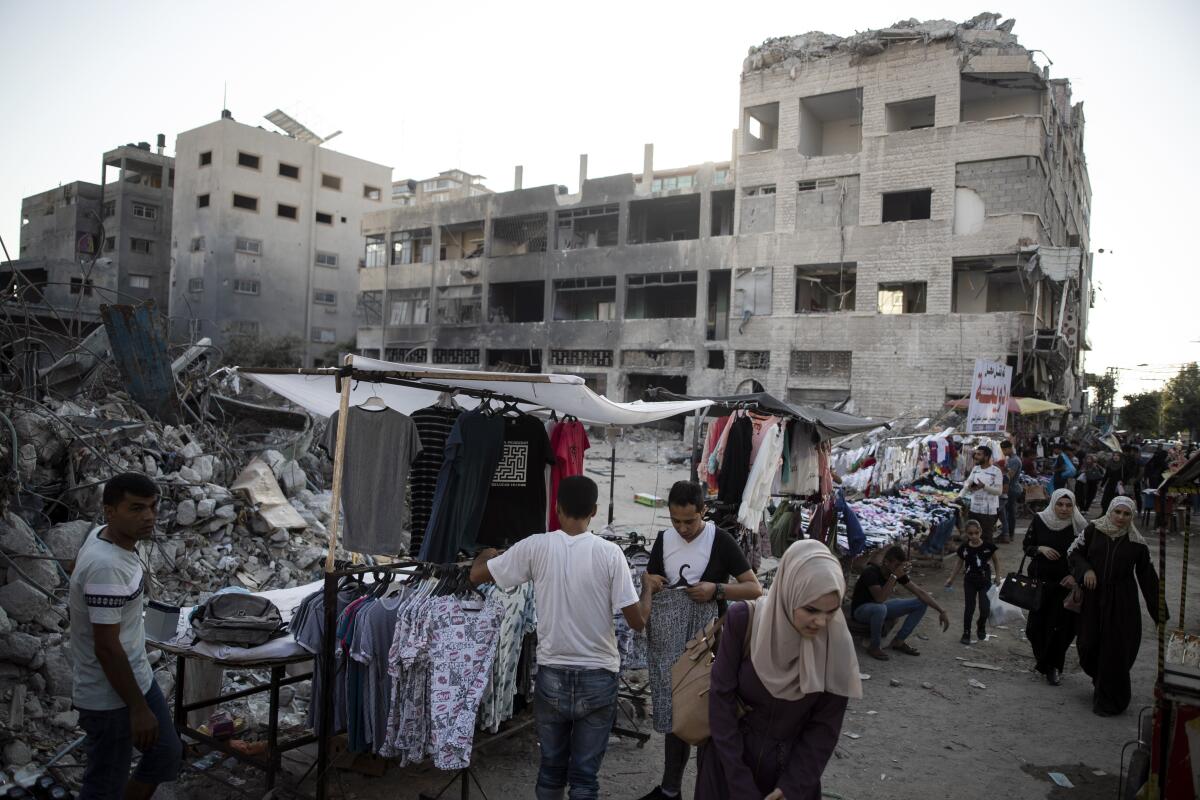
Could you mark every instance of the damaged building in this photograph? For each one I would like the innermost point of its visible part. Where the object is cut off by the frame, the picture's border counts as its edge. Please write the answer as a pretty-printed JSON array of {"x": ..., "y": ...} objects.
[{"x": 897, "y": 204}]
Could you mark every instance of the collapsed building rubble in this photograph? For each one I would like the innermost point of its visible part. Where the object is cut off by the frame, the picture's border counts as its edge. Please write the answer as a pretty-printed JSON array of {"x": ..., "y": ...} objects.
[{"x": 243, "y": 503}]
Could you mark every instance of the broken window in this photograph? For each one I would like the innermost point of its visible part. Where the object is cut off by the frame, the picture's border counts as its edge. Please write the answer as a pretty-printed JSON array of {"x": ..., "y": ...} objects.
[
  {"x": 286, "y": 211},
  {"x": 412, "y": 246},
  {"x": 753, "y": 359},
  {"x": 331, "y": 182},
  {"x": 245, "y": 202},
  {"x": 822, "y": 364},
  {"x": 902, "y": 206},
  {"x": 139, "y": 281},
  {"x": 578, "y": 299},
  {"x": 110, "y": 244},
  {"x": 660, "y": 295},
  {"x": 369, "y": 307},
  {"x": 716, "y": 359},
  {"x": 758, "y": 210},
  {"x": 408, "y": 307},
  {"x": 195, "y": 284},
  {"x": 110, "y": 207},
  {"x": 752, "y": 294},
  {"x": 716, "y": 318},
  {"x": 988, "y": 285},
  {"x": 515, "y": 360},
  {"x": 245, "y": 286},
  {"x": 902, "y": 298},
  {"x": 248, "y": 160},
  {"x": 909, "y": 115},
  {"x": 372, "y": 192},
  {"x": 581, "y": 358},
  {"x": 324, "y": 335},
  {"x": 831, "y": 124},
  {"x": 825, "y": 287},
  {"x": 522, "y": 301},
  {"x": 206, "y": 158},
  {"x": 462, "y": 240},
  {"x": 81, "y": 286},
  {"x": 669, "y": 359},
  {"x": 582, "y": 228},
  {"x": 323, "y": 218},
  {"x": 819, "y": 398},
  {"x": 376, "y": 255},
  {"x": 289, "y": 171},
  {"x": 324, "y": 297},
  {"x": 144, "y": 211},
  {"x": 460, "y": 305},
  {"x": 456, "y": 355},
  {"x": 251, "y": 246},
  {"x": 722, "y": 213},
  {"x": 664, "y": 219},
  {"x": 514, "y": 236},
  {"x": 760, "y": 128},
  {"x": 201, "y": 201},
  {"x": 140, "y": 246},
  {"x": 991, "y": 96},
  {"x": 327, "y": 260}
]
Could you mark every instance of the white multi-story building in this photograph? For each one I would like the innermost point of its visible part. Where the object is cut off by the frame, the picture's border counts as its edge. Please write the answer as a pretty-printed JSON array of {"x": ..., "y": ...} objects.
[{"x": 267, "y": 236}]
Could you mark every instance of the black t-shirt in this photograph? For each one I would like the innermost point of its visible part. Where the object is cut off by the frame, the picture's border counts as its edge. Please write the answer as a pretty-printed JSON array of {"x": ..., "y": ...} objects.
[
  {"x": 872, "y": 575},
  {"x": 977, "y": 561},
  {"x": 725, "y": 561},
  {"x": 516, "y": 501}
]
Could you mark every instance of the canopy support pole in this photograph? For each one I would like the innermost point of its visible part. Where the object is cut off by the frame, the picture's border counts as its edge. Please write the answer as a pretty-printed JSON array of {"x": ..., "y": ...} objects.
[
  {"x": 339, "y": 457},
  {"x": 612, "y": 474},
  {"x": 699, "y": 415}
]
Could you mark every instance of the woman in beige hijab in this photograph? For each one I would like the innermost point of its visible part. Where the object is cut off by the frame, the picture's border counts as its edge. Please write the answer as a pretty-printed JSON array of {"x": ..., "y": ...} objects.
[{"x": 776, "y": 706}]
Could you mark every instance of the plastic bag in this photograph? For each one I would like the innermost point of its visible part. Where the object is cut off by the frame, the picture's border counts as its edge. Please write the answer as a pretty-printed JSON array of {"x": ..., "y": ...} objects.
[{"x": 1003, "y": 613}]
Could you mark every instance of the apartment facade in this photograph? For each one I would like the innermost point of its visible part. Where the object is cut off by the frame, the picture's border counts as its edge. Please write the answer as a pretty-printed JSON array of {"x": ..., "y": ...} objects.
[
  {"x": 452, "y": 184},
  {"x": 898, "y": 204},
  {"x": 267, "y": 236}
]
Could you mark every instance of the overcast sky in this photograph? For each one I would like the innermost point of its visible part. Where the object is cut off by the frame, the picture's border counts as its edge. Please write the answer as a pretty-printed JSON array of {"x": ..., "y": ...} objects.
[{"x": 484, "y": 86}]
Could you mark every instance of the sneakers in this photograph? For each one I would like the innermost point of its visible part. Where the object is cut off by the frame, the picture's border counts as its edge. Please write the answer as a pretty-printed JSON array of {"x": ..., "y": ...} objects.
[
  {"x": 981, "y": 635},
  {"x": 966, "y": 637},
  {"x": 658, "y": 794}
]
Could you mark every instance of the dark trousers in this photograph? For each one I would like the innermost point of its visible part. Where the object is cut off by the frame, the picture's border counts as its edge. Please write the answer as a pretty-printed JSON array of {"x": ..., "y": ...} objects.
[
  {"x": 573, "y": 711},
  {"x": 1051, "y": 629},
  {"x": 109, "y": 748},
  {"x": 976, "y": 589},
  {"x": 676, "y": 754}
]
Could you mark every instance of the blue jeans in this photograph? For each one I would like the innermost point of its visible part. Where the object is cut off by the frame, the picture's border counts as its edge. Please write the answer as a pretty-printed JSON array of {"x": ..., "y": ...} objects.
[
  {"x": 875, "y": 614},
  {"x": 574, "y": 710},
  {"x": 1008, "y": 508},
  {"x": 109, "y": 747}
]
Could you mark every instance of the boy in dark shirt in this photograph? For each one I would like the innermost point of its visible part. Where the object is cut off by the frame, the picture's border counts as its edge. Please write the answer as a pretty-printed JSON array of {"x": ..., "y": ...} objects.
[
  {"x": 872, "y": 602},
  {"x": 977, "y": 557}
]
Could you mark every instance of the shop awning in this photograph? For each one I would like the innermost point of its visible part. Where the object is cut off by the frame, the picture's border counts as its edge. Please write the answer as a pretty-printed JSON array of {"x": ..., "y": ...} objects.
[
  {"x": 315, "y": 391},
  {"x": 829, "y": 423}
]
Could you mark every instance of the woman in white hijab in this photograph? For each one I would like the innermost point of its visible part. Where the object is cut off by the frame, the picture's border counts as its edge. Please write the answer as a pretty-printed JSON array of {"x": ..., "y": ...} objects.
[
  {"x": 1111, "y": 561},
  {"x": 1051, "y": 628},
  {"x": 792, "y": 682}
]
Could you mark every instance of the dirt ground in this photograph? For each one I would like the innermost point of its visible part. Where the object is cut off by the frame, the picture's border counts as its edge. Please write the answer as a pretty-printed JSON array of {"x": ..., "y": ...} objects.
[{"x": 947, "y": 741}]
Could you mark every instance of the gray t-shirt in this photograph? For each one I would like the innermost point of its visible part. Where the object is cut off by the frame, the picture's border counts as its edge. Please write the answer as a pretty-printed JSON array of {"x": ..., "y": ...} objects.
[
  {"x": 380, "y": 449},
  {"x": 106, "y": 589},
  {"x": 373, "y": 631}
]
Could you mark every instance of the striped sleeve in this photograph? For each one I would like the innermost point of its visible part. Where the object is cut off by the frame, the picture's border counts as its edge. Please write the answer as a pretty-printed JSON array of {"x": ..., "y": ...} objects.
[{"x": 107, "y": 590}]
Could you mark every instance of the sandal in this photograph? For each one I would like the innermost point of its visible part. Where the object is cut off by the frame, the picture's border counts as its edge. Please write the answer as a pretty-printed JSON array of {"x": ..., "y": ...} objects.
[
  {"x": 906, "y": 648},
  {"x": 879, "y": 654}
]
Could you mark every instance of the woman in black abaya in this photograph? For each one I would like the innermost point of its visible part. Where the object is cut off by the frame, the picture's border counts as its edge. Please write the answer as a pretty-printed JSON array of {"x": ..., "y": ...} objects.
[
  {"x": 1052, "y": 627},
  {"x": 1111, "y": 561}
]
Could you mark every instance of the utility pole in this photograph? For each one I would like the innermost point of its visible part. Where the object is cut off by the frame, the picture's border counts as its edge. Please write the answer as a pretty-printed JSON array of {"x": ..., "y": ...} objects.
[{"x": 1111, "y": 374}]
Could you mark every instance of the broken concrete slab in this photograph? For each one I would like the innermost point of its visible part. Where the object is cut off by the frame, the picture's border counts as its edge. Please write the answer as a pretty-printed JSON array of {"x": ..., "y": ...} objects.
[
  {"x": 65, "y": 539},
  {"x": 22, "y": 602},
  {"x": 258, "y": 483}
]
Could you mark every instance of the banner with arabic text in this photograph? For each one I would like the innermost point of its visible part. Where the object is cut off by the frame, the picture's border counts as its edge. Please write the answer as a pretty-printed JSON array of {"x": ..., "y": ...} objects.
[{"x": 988, "y": 409}]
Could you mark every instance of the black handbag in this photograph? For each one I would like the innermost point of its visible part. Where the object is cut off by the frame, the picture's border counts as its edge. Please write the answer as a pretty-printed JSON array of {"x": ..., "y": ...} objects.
[{"x": 1021, "y": 590}]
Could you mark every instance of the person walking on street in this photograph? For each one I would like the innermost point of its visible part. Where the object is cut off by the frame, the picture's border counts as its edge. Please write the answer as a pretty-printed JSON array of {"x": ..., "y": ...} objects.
[
  {"x": 1115, "y": 475},
  {"x": 705, "y": 557},
  {"x": 120, "y": 705},
  {"x": 1013, "y": 491},
  {"x": 872, "y": 603},
  {"x": 581, "y": 581},
  {"x": 1095, "y": 478},
  {"x": 1111, "y": 561},
  {"x": 977, "y": 557},
  {"x": 1051, "y": 627},
  {"x": 776, "y": 706},
  {"x": 984, "y": 485}
]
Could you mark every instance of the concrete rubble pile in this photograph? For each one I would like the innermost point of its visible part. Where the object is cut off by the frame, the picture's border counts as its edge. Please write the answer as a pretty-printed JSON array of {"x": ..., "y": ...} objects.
[
  {"x": 983, "y": 30},
  {"x": 232, "y": 513}
]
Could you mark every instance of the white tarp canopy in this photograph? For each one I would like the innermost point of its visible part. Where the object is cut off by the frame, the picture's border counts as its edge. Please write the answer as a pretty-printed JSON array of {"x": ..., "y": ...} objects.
[{"x": 565, "y": 394}]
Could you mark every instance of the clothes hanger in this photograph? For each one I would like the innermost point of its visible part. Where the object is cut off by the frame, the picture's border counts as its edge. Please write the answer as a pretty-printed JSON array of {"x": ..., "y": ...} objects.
[
  {"x": 374, "y": 402},
  {"x": 682, "y": 582}
]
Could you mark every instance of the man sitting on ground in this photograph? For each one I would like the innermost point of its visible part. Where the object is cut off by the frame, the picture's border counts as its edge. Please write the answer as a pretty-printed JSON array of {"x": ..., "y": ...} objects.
[{"x": 873, "y": 604}]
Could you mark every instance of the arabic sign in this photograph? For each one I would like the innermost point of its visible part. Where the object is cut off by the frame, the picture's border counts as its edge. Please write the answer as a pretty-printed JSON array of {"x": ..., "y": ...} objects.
[{"x": 988, "y": 411}]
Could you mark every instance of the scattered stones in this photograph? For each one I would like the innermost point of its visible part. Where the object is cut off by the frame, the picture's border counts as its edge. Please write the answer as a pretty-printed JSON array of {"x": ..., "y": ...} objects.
[
  {"x": 17, "y": 754},
  {"x": 186, "y": 513},
  {"x": 22, "y": 602},
  {"x": 894, "y": 682}
]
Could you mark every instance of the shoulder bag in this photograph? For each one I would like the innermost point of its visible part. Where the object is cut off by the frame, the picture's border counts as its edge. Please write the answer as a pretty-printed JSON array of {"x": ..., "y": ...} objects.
[
  {"x": 690, "y": 681},
  {"x": 1021, "y": 590}
]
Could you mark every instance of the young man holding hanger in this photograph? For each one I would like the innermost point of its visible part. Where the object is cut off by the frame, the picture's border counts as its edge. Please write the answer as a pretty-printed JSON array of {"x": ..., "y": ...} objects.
[{"x": 581, "y": 581}]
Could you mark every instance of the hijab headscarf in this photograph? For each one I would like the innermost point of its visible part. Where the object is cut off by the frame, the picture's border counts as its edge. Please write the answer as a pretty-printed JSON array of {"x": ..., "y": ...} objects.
[
  {"x": 1109, "y": 527},
  {"x": 1052, "y": 521},
  {"x": 789, "y": 664}
]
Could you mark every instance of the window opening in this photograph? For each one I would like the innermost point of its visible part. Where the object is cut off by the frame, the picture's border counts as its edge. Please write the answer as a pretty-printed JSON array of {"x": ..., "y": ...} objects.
[
  {"x": 822, "y": 288},
  {"x": 660, "y": 295},
  {"x": 902, "y": 298},
  {"x": 664, "y": 219},
  {"x": 581, "y": 299},
  {"x": 904, "y": 206}
]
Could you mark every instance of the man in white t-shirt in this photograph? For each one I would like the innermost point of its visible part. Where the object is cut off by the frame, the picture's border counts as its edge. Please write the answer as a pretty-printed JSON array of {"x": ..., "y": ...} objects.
[
  {"x": 984, "y": 485},
  {"x": 120, "y": 705},
  {"x": 580, "y": 581}
]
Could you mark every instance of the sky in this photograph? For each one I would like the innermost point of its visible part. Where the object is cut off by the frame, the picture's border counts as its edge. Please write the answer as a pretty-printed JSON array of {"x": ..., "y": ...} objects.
[{"x": 484, "y": 86}]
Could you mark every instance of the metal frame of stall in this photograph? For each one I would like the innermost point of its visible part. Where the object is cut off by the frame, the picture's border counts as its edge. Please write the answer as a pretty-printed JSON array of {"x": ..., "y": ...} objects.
[{"x": 420, "y": 379}]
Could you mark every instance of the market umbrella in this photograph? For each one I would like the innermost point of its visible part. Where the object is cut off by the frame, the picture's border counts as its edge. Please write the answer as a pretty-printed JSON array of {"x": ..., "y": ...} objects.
[{"x": 1017, "y": 405}]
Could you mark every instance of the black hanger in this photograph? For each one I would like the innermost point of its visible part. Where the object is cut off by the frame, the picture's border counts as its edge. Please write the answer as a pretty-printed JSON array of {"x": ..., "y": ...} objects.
[{"x": 682, "y": 582}]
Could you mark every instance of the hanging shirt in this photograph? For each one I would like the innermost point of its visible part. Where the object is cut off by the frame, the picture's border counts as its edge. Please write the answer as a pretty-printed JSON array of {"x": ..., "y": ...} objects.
[
  {"x": 472, "y": 452},
  {"x": 380, "y": 449},
  {"x": 516, "y": 500},
  {"x": 434, "y": 425},
  {"x": 568, "y": 442},
  {"x": 580, "y": 581}
]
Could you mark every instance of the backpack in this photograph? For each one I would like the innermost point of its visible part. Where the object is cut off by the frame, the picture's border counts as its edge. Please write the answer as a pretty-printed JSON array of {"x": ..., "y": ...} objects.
[{"x": 237, "y": 618}]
